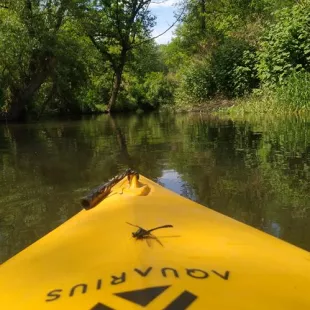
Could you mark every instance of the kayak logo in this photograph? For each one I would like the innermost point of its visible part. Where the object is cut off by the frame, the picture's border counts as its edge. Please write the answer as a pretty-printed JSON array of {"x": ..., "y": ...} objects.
[
  {"x": 144, "y": 296},
  {"x": 119, "y": 278}
]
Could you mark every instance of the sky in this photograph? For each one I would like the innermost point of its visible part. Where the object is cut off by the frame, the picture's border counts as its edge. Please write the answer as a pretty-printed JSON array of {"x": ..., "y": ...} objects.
[{"x": 164, "y": 11}]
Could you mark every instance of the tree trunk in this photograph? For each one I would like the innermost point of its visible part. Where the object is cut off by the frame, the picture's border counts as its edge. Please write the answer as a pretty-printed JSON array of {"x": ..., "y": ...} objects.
[
  {"x": 115, "y": 90},
  {"x": 203, "y": 16},
  {"x": 117, "y": 79},
  {"x": 21, "y": 97},
  {"x": 17, "y": 111}
]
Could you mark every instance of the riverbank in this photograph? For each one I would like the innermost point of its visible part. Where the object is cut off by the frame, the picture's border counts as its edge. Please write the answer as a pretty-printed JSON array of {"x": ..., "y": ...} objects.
[
  {"x": 275, "y": 102},
  {"x": 264, "y": 104},
  {"x": 214, "y": 105}
]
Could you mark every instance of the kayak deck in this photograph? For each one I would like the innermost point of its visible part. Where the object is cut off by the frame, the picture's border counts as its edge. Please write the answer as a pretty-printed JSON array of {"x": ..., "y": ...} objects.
[{"x": 205, "y": 261}]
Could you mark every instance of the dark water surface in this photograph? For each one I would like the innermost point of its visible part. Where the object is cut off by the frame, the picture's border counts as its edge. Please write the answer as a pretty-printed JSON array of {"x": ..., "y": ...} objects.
[{"x": 255, "y": 171}]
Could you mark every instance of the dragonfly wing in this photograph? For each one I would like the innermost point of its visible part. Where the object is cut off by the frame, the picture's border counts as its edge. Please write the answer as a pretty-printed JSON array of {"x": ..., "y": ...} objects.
[
  {"x": 134, "y": 225},
  {"x": 148, "y": 241},
  {"x": 155, "y": 238},
  {"x": 159, "y": 227}
]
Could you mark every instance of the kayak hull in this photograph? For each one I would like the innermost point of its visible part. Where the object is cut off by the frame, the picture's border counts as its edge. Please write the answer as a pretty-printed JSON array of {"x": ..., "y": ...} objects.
[{"x": 205, "y": 261}]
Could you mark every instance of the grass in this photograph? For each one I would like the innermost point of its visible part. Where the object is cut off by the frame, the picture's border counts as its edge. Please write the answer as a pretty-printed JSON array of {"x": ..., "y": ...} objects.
[
  {"x": 290, "y": 97},
  {"x": 295, "y": 92}
]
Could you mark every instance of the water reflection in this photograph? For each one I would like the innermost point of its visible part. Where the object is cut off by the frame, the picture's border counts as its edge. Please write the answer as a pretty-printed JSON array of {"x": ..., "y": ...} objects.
[
  {"x": 256, "y": 171},
  {"x": 172, "y": 180}
]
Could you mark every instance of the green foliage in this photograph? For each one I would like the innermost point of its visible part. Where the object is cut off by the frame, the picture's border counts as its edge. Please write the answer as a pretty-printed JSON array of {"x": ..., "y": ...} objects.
[
  {"x": 62, "y": 56},
  {"x": 294, "y": 92},
  {"x": 233, "y": 68},
  {"x": 230, "y": 72},
  {"x": 197, "y": 84},
  {"x": 15, "y": 50},
  {"x": 286, "y": 45},
  {"x": 148, "y": 93},
  {"x": 158, "y": 89},
  {"x": 229, "y": 48},
  {"x": 208, "y": 22},
  {"x": 175, "y": 56},
  {"x": 29, "y": 50},
  {"x": 116, "y": 23},
  {"x": 145, "y": 83},
  {"x": 96, "y": 93},
  {"x": 291, "y": 96},
  {"x": 145, "y": 58},
  {"x": 76, "y": 59},
  {"x": 214, "y": 52},
  {"x": 283, "y": 63},
  {"x": 116, "y": 28},
  {"x": 65, "y": 90}
]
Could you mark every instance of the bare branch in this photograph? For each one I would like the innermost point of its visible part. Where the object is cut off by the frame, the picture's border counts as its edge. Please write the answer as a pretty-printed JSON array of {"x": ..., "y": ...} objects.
[
  {"x": 159, "y": 2},
  {"x": 150, "y": 39}
]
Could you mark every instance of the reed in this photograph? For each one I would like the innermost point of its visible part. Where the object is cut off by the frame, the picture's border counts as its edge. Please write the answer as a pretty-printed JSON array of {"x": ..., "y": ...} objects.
[{"x": 290, "y": 97}]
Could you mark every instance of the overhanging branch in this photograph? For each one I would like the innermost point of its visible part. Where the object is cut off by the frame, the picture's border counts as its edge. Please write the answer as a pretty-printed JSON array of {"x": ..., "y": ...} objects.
[
  {"x": 103, "y": 52},
  {"x": 153, "y": 38}
]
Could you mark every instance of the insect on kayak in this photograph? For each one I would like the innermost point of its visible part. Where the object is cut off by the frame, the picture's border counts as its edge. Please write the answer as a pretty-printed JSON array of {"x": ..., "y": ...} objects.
[{"x": 168, "y": 252}]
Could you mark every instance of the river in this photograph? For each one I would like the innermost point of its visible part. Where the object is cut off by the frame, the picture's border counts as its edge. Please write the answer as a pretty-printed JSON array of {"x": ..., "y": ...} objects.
[{"x": 256, "y": 171}]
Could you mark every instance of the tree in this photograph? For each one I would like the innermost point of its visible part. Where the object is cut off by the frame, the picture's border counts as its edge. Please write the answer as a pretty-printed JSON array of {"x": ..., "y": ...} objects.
[
  {"x": 115, "y": 27},
  {"x": 32, "y": 26}
]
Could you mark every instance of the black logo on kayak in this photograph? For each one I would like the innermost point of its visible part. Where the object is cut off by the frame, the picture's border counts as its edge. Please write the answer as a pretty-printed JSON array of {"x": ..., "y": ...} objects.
[
  {"x": 112, "y": 280},
  {"x": 144, "y": 296},
  {"x": 101, "y": 306}
]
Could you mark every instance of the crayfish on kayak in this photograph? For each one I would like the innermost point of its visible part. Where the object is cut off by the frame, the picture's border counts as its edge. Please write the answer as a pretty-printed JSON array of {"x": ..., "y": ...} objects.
[{"x": 142, "y": 233}]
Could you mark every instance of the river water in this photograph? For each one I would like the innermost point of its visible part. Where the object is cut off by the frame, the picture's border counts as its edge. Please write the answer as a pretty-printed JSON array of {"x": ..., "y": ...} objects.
[{"x": 256, "y": 171}]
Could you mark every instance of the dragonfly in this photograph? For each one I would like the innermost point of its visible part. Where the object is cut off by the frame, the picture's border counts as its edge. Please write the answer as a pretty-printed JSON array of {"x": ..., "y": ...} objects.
[{"x": 142, "y": 233}]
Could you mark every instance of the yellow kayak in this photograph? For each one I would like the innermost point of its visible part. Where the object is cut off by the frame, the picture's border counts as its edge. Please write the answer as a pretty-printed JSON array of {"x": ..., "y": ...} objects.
[{"x": 197, "y": 259}]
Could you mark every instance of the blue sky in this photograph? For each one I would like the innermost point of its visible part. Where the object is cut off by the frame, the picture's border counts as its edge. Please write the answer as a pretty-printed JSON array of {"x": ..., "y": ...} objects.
[{"x": 164, "y": 11}]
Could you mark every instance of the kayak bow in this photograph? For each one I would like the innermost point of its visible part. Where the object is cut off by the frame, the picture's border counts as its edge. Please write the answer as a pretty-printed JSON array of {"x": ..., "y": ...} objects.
[{"x": 200, "y": 260}]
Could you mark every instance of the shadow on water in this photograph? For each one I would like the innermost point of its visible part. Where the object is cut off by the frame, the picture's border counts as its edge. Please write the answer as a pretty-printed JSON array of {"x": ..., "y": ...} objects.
[{"x": 256, "y": 171}]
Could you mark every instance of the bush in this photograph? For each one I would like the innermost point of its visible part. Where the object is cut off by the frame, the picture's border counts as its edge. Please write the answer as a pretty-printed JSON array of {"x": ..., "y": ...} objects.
[
  {"x": 158, "y": 89},
  {"x": 197, "y": 83},
  {"x": 231, "y": 71},
  {"x": 145, "y": 93},
  {"x": 233, "y": 67},
  {"x": 286, "y": 44}
]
